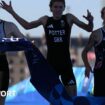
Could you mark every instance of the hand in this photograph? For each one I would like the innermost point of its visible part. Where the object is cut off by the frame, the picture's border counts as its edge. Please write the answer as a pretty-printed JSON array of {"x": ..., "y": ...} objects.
[
  {"x": 5, "y": 6},
  {"x": 87, "y": 71},
  {"x": 89, "y": 17}
]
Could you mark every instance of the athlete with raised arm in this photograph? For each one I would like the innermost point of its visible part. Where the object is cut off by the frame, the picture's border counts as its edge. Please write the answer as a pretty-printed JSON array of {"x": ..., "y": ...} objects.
[
  {"x": 97, "y": 41},
  {"x": 57, "y": 32}
]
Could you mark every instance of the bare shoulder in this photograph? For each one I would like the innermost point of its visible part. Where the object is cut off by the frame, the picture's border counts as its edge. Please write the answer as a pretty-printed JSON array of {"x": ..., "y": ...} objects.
[
  {"x": 9, "y": 27},
  {"x": 69, "y": 15},
  {"x": 97, "y": 31},
  {"x": 96, "y": 34},
  {"x": 72, "y": 16},
  {"x": 69, "y": 18},
  {"x": 9, "y": 24},
  {"x": 43, "y": 19}
]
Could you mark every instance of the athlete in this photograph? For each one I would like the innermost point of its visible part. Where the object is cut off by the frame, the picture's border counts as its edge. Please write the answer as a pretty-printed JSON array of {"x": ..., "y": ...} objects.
[
  {"x": 7, "y": 29},
  {"x": 57, "y": 32},
  {"x": 97, "y": 41}
]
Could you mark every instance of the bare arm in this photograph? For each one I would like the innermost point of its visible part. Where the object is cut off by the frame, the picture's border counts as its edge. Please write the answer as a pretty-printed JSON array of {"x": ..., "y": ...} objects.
[
  {"x": 84, "y": 54},
  {"x": 24, "y": 23},
  {"x": 88, "y": 27},
  {"x": 12, "y": 30}
]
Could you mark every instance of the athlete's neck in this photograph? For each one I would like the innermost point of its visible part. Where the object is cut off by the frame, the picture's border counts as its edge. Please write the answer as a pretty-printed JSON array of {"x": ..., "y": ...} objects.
[{"x": 56, "y": 18}]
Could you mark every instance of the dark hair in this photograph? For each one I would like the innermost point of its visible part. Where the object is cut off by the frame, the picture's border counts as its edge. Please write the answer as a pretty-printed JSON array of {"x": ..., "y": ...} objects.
[
  {"x": 52, "y": 2},
  {"x": 102, "y": 12}
]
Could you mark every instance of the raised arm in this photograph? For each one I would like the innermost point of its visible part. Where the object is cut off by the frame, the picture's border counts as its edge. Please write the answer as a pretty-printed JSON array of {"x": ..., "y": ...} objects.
[
  {"x": 88, "y": 27},
  {"x": 24, "y": 23},
  {"x": 84, "y": 54}
]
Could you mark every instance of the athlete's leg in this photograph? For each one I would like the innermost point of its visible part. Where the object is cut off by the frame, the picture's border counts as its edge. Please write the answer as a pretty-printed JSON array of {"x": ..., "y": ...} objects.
[
  {"x": 99, "y": 84},
  {"x": 50, "y": 86},
  {"x": 4, "y": 77},
  {"x": 69, "y": 82},
  {"x": 71, "y": 90},
  {"x": 1, "y": 98},
  {"x": 4, "y": 82}
]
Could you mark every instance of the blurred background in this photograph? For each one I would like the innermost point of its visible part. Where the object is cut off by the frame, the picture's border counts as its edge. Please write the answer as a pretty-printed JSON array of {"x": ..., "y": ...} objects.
[{"x": 19, "y": 72}]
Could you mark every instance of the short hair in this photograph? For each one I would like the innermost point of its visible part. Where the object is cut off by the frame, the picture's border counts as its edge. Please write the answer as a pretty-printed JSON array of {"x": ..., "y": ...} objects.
[
  {"x": 102, "y": 12},
  {"x": 52, "y": 2}
]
